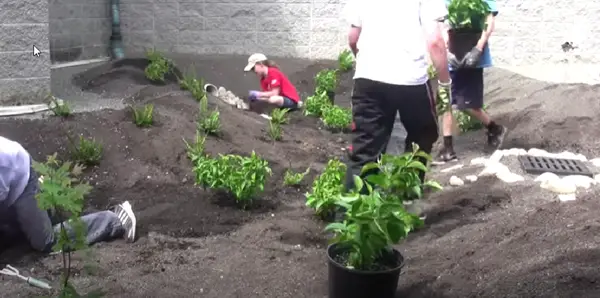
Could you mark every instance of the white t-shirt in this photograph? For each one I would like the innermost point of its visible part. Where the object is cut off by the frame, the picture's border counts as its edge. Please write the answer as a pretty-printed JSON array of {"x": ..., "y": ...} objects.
[{"x": 392, "y": 43}]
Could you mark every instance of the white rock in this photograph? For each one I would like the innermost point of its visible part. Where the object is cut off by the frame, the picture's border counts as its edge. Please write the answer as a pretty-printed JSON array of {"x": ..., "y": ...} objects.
[
  {"x": 547, "y": 176},
  {"x": 452, "y": 168},
  {"x": 537, "y": 152},
  {"x": 496, "y": 156},
  {"x": 266, "y": 116},
  {"x": 581, "y": 157},
  {"x": 580, "y": 181},
  {"x": 560, "y": 186},
  {"x": 471, "y": 178},
  {"x": 566, "y": 155},
  {"x": 478, "y": 161},
  {"x": 597, "y": 178},
  {"x": 455, "y": 181},
  {"x": 596, "y": 162},
  {"x": 508, "y": 177},
  {"x": 566, "y": 197},
  {"x": 514, "y": 152},
  {"x": 221, "y": 91},
  {"x": 493, "y": 168}
]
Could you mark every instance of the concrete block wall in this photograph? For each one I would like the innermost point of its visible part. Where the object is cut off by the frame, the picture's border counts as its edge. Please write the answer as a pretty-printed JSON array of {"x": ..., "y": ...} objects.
[
  {"x": 23, "y": 77},
  {"x": 79, "y": 29},
  {"x": 300, "y": 28}
]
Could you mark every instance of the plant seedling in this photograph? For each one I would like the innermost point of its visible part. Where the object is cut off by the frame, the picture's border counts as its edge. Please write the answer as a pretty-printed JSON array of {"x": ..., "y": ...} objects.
[
  {"x": 144, "y": 116},
  {"x": 211, "y": 123},
  {"x": 275, "y": 131},
  {"x": 62, "y": 194},
  {"x": 326, "y": 189},
  {"x": 158, "y": 66},
  {"x": 59, "y": 107},
  {"x": 292, "y": 178},
  {"x": 337, "y": 118},
  {"x": 195, "y": 149},
  {"x": 315, "y": 104},
  {"x": 376, "y": 218},
  {"x": 326, "y": 80},
  {"x": 468, "y": 14},
  {"x": 346, "y": 60},
  {"x": 279, "y": 116},
  {"x": 87, "y": 151}
]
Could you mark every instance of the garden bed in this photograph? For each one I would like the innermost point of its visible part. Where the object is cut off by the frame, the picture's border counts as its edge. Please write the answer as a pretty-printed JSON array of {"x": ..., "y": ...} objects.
[{"x": 481, "y": 240}]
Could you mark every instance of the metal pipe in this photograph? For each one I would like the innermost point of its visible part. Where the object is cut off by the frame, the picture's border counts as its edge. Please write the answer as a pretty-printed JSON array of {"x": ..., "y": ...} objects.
[
  {"x": 211, "y": 89},
  {"x": 116, "y": 39}
]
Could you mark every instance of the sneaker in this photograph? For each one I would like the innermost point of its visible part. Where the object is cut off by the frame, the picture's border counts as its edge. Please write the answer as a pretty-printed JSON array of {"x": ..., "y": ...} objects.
[
  {"x": 127, "y": 219},
  {"x": 496, "y": 138},
  {"x": 445, "y": 155}
]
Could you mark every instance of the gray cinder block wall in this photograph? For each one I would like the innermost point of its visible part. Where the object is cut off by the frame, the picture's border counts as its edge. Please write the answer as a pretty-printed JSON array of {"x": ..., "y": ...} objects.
[
  {"x": 528, "y": 31},
  {"x": 23, "y": 77},
  {"x": 301, "y": 28},
  {"x": 79, "y": 29}
]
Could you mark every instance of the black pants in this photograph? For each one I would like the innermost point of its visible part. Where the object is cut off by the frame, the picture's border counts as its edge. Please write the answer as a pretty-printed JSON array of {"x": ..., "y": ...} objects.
[{"x": 374, "y": 108}]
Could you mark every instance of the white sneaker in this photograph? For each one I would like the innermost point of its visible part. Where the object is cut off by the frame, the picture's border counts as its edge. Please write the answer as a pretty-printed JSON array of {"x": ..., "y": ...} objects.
[{"x": 127, "y": 218}]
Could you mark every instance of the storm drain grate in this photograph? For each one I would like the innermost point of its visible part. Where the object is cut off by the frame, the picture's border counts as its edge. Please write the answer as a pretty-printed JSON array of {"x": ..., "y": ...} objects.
[{"x": 559, "y": 166}]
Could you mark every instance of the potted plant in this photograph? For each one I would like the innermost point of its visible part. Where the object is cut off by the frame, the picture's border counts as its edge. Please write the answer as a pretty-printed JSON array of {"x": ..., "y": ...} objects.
[
  {"x": 362, "y": 261},
  {"x": 467, "y": 20},
  {"x": 326, "y": 81}
]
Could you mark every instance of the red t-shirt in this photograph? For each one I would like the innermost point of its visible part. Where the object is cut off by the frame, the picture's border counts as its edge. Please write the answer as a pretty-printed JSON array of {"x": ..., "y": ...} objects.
[{"x": 276, "y": 79}]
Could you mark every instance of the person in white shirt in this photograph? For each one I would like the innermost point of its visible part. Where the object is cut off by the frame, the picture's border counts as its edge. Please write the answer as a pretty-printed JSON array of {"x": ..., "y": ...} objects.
[{"x": 392, "y": 41}]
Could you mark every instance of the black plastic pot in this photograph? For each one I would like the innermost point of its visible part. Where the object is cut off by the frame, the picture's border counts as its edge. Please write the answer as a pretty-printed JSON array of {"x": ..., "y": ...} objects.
[
  {"x": 350, "y": 283},
  {"x": 461, "y": 41},
  {"x": 331, "y": 96}
]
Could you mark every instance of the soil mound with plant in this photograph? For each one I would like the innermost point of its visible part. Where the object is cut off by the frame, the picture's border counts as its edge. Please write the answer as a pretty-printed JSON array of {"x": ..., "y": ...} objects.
[{"x": 486, "y": 239}]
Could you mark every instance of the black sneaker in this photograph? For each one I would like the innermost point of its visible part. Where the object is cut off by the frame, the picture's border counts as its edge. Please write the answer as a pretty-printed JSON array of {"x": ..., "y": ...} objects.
[
  {"x": 127, "y": 218},
  {"x": 445, "y": 155},
  {"x": 496, "y": 137}
]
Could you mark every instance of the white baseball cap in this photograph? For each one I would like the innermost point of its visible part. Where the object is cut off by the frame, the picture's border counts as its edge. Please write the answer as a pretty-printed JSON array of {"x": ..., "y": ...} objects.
[{"x": 253, "y": 59}]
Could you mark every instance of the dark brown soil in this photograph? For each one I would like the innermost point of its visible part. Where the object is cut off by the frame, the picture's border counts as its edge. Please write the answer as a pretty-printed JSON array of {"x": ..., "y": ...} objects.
[{"x": 485, "y": 239}]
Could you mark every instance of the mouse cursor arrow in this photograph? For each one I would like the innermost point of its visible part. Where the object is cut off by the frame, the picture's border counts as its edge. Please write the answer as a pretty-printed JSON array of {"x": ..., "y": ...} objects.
[{"x": 36, "y": 51}]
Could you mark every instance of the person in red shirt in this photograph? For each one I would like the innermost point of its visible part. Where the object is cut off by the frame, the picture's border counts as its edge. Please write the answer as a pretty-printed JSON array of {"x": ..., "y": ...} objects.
[{"x": 276, "y": 87}]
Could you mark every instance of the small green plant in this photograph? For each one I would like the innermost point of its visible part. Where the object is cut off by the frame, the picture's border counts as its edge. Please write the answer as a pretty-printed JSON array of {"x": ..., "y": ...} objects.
[
  {"x": 326, "y": 80},
  {"x": 279, "y": 116},
  {"x": 314, "y": 105},
  {"x": 194, "y": 85},
  {"x": 275, "y": 131},
  {"x": 158, "y": 66},
  {"x": 195, "y": 149},
  {"x": 337, "y": 118},
  {"x": 86, "y": 151},
  {"x": 62, "y": 194},
  {"x": 376, "y": 219},
  {"x": 345, "y": 60},
  {"x": 292, "y": 178},
  {"x": 242, "y": 176},
  {"x": 59, "y": 107},
  {"x": 144, "y": 116},
  {"x": 210, "y": 123},
  {"x": 467, "y": 122},
  {"x": 326, "y": 189},
  {"x": 468, "y": 14}
]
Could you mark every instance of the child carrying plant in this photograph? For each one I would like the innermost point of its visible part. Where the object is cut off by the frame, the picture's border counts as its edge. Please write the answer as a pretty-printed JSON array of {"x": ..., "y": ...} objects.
[
  {"x": 21, "y": 218},
  {"x": 276, "y": 87}
]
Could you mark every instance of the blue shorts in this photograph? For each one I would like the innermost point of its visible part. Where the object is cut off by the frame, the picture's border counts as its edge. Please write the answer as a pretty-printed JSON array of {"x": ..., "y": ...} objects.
[
  {"x": 467, "y": 88},
  {"x": 289, "y": 103}
]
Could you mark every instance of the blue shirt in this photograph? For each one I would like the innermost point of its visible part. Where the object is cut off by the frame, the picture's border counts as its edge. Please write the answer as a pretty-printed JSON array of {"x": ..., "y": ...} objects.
[{"x": 486, "y": 55}]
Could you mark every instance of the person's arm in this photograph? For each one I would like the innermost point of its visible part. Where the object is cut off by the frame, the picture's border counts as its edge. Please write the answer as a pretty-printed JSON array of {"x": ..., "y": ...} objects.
[
  {"x": 354, "y": 18},
  {"x": 433, "y": 13},
  {"x": 490, "y": 22},
  {"x": 267, "y": 94}
]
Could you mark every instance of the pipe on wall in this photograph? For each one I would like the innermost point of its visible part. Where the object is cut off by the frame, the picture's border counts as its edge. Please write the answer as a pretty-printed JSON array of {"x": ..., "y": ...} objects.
[{"x": 116, "y": 39}]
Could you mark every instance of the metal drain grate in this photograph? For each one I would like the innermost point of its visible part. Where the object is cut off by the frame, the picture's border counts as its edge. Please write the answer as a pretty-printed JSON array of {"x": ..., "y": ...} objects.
[{"x": 559, "y": 166}]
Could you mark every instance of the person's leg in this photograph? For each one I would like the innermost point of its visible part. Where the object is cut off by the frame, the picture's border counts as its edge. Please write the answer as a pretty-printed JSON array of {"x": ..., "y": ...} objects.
[
  {"x": 460, "y": 82},
  {"x": 417, "y": 113},
  {"x": 373, "y": 118}
]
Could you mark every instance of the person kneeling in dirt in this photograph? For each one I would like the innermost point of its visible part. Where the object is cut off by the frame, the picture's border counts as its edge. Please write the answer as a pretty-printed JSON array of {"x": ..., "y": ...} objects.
[
  {"x": 276, "y": 87},
  {"x": 21, "y": 218}
]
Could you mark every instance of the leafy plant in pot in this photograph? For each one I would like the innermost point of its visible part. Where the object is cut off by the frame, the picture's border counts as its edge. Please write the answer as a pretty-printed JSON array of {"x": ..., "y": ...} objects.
[
  {"x": 467, "y": 20},
  {"x": 362, "y": 261}
]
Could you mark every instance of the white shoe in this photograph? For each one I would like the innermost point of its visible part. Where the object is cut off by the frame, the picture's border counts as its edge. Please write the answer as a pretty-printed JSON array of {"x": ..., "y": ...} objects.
[{"x": 127, "y": 218}]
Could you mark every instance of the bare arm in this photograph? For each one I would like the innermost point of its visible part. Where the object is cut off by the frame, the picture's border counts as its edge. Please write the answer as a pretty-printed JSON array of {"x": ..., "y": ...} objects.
[
  {"x": 266, "y": 94},
  {"x": 485, "y": 36},
  {"x": 352, "y": 13},
  {"x": 353, "y": 36},
  {"x": 432, "y": 15}
]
